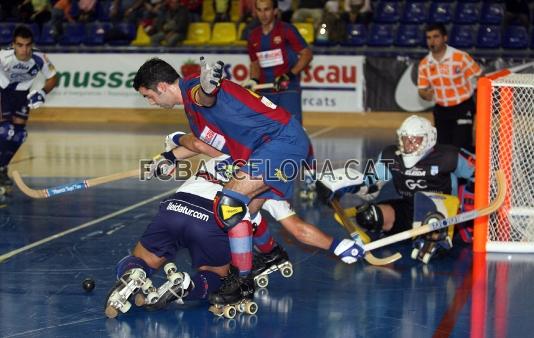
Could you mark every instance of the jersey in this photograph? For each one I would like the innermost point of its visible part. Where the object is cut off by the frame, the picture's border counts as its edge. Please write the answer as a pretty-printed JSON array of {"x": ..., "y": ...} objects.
[
  {"x": 19, "y": 75},
  {"x": 239, "y": 122},
  {"x": 436, "y": 172},
  {"x": 276, "y": 52}
]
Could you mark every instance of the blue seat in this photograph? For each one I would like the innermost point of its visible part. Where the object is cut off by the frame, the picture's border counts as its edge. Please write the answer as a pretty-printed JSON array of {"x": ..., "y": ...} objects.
[
  {"x": 489, "y": 37},
  {"x": 467, "y": 13},
  {"x": 356, "y": 35},
  {"x": 440, "y": 12},
  {"x": 515, "y": 37},
  {"x": 387, "y": 12},
  {"x": 414, "y": 12},
  {"x": 47, "y": 35},
  {"x": 102, "y": 10},
  {"x": 126, "y": 31},
  {"x": 36, "y": 32},
  {"x": 462, "y": 36},
  {"x": 95, "y": 33},
  {"x": 380, "y": 35},
  {"x": 73, "y": 34},
  {"x": 6, "y": 32},
  {"x": 409, "y": 36},
  {"x": 491, "y": 14}
]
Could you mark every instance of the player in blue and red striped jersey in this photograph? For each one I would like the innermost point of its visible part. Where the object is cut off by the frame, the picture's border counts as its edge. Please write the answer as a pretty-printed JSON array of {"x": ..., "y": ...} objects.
[
  {"x": 278, "y": 53},
  {"x": 245, "y": 125}
]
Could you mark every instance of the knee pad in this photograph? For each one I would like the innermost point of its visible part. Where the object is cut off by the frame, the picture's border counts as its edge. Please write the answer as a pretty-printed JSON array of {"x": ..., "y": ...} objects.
[
  {"x": 14, "y": 133},
  {"x": 229, "y": 208},
  {"x": 370, "y": 217},
  {"x": 132, "y": 262}
]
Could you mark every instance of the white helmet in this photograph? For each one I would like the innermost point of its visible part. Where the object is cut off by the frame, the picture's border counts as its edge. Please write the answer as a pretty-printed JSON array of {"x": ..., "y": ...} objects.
[{"x": 423, "y": 133}]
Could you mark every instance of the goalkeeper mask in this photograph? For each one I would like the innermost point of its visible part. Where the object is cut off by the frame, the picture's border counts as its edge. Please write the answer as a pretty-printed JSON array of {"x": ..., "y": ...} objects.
[{"x": 417, "y": 137}]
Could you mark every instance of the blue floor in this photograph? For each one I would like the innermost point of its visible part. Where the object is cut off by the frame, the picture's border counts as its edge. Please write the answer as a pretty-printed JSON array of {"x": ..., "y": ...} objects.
[{"x": 41, "y": 293}]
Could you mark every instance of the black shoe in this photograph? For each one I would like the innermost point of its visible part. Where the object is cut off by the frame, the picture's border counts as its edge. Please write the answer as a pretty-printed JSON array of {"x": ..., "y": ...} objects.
[
  {"x": 233, "y": 289},
  {"x": 264, "y": 261}
]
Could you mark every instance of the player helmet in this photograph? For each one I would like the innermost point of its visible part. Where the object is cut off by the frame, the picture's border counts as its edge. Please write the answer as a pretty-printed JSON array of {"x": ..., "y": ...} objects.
[{"x": 417, "y": 137}]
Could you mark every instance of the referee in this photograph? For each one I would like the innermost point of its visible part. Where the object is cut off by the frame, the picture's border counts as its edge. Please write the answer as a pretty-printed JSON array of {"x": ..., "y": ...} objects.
[{"x": 446, "y": 76}]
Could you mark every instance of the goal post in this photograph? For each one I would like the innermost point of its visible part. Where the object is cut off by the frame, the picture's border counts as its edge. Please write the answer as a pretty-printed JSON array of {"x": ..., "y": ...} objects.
[{"x": 505, "y": 140}]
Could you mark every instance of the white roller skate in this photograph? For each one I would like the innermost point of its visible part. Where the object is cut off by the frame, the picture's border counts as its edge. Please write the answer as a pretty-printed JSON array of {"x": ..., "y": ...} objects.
[
  {"x": 176, "y": 287},
  {"x": 265, "y": 264},
  {"x": 128, "y": 284},
  {"x": 426, "y": 247}
]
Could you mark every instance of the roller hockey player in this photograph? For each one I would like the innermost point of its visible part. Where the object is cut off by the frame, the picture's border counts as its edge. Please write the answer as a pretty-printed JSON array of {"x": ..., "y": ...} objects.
[{"x": 415, "y": 165}]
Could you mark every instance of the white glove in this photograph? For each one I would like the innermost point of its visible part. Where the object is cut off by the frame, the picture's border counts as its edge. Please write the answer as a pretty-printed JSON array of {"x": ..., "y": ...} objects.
[
  {"x": 370, "y": 192},
  {"x": 340, "y": 182},
  {"x": 172, "y": 140},
  {"x": 210, "y": 76},
  {"x": 250, "y": 84},
  {"x": 162, "y": 166},
  {"x": 348, "y": 250},
  {"x": 36, "y": 98}
]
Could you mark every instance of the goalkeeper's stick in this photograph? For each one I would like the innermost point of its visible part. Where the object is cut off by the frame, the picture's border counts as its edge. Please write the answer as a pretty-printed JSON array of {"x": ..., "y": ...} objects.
[
  {"x": 61, "y": 189},
  {"x": 356, "y": 231},
  {"x": 436, "y": 225}
]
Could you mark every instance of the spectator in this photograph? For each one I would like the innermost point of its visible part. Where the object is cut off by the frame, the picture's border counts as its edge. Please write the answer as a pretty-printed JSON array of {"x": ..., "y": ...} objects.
[
  {"x": 126, "y": 10},
  {"x": 37, "y": 11},
  {"x": 357, "y": 11},
  {"x": 87, "y": 10},
  {"x": 9, "y": 9},
  {"x": 170, "y": 27},
  {"x": 222, "y": 10},
  {"x": 516, "y": 11},
  {"x": 194, "y": 7},
  {"x": 248, "y": 15},
  {"x": 60, "y": 11},
  {"x": 332, "y": 28},
  {"x": 309, "y": 9},
  {"x": 285, "y": 10}
]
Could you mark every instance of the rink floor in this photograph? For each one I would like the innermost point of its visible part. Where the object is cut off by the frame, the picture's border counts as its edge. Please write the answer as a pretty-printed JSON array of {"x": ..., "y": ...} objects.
[{"x": 41, "y": 293}]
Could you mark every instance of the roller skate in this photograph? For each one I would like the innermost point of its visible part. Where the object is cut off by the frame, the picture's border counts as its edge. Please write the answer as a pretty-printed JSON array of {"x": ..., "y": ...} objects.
[
  {"x": 176, "y": 287},
  {"x": 427, "y": 246},
  {"x": 308, "y": 192},
  {"x": 131, "y": 282},
  {"x": 234, "y": 295},
  {"x": 265, "y": 264}
]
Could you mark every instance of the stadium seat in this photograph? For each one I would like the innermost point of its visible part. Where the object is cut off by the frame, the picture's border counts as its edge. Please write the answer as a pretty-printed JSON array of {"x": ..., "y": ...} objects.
[
  {"x": 306, "y": 30},
  {"x": 440, "y": 12},
  {"x": 415, "y": 12},
  {"x": 198, "y": 33},
  {"x": 380, "y": 35},
  {"x": 356, "y": 35},
  {"x": 95, "y": 33},
  {"x": 409, "y": 36},
  {"x": 467, "y": 13},
  {"x": 387, "y": 12},
  {"x": 224, "y": 33},
  {"x": 240, "y": 28},
  {"x": 515, "y": 37},
  {"x": 491, "y": 13},
  {"x": 462, "y": 36},
  {"x": 141, "y": 37},
  {"x": 125, "y": 30},
  {"x": 208, "y": 13},
  {"x": 102, "y": 10},
  {"x": 73, "y": 34},
  {"x": 489, "y": 37},
  {"x": 47, "y": 35},
  {"x": 6, "y": 32},
  {"x": 235, "y": 11}
]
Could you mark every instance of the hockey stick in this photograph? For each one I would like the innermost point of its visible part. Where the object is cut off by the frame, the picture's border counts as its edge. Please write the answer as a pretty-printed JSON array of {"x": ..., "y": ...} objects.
[
  {"x": 83, "y": 184},
  {"x": 460, "y": 218},
  {"x": 355, "y": 231},
  {"x": 263, "y": 86}
]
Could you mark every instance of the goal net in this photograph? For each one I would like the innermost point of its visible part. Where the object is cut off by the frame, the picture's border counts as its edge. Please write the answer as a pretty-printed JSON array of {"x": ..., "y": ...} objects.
[{"x": 505, "y": 140}]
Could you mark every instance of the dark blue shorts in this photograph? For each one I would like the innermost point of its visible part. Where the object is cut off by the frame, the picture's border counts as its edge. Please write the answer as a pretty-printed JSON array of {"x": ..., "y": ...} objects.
[
  {"x": 290, "y": 100},
  {"x": 186, "y": 221},
  {"x": 14, "y": 103}
]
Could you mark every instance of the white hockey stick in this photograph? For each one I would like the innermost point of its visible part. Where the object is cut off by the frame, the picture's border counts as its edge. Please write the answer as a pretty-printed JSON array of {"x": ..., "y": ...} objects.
[
  {"x": 460, "y": 218},
  {"x": 263, "y": 86},
  {"x": 355, "y": 231}
]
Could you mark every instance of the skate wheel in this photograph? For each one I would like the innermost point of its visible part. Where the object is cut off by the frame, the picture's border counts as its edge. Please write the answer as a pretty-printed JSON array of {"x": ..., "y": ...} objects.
[
  {"x": 251, "y": 308},
  {"x": 229, "y": 312},
  {"x": 175, "y": 278},
  {"x": 215, "y": 310},
  {"x": 426, "y": 258},
  {"x": 303, "y": 195},
  {"x": 140, "y": 299},
  {"x": 152, "y": 297},
  {"x": 138, "y": 274},
  {"x": 170, "y": 268},
  {"x": 415, "y": 253},
  {"x": 287, "y": 272},
  {"x": 126, "y": 307},
  {"x": 312, "y": 195},
  {"x": 262, "y": 281},
  {"x": 146, "y": 285},
  {"x": 240, "y": 307},
  {"x": 111, "y": 312}
]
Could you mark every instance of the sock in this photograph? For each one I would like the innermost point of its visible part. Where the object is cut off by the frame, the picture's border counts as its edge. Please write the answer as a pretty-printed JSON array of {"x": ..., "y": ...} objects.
[
  {"x": 263, "y": 240},
  {"x": 205, "y": 283},
  {"x": 132, "y": 262},
  {"x": 240, "y": 238}
]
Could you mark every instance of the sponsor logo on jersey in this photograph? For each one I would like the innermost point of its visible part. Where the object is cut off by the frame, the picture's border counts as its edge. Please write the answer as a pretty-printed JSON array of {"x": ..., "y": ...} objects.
[
  {"x": 183, "y": 209},
  {"x": 415, "y": 172},
  {"x": 268, "y": 102},
  {"x": 280, "y": 175},
  {"x": 21, "y": 66},
  {"x": 434, "y": 170},
  {"x": 228, "y": 212},
  {"x": 210, "y": 137},
  {"x": 414, "y": 184},
  {"x": 277, "y": 40}
]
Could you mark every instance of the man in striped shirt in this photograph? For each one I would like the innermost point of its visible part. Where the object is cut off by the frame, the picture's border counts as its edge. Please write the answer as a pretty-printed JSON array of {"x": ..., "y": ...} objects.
[{"x": 446, "y": 76}]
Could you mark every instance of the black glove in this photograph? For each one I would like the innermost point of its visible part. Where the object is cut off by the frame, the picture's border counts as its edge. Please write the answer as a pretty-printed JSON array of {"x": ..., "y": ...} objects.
[{"x": 282, "y": 82}]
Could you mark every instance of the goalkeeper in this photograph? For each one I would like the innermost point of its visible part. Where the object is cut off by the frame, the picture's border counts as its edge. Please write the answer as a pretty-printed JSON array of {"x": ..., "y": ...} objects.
[{"x": 415, "y": 164}]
